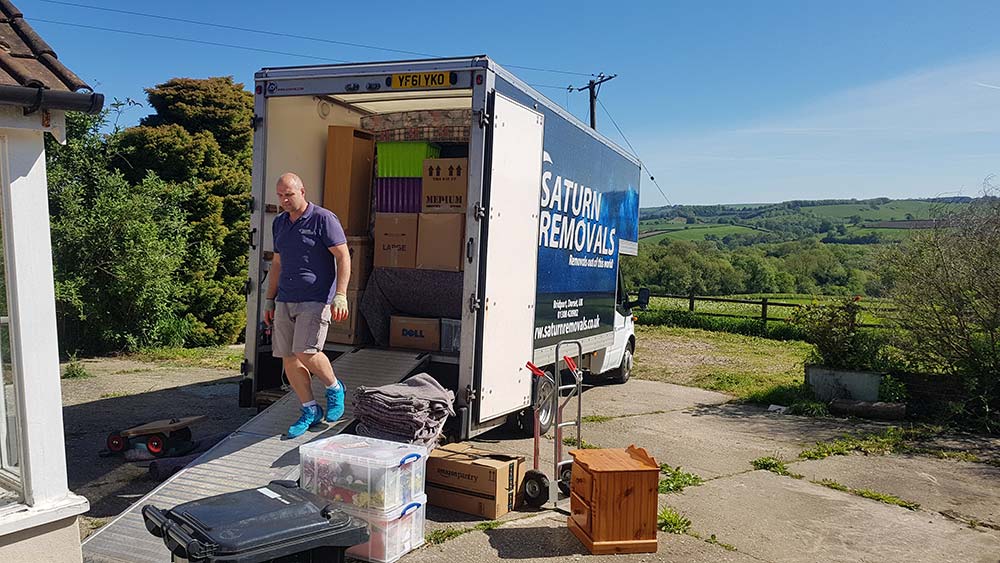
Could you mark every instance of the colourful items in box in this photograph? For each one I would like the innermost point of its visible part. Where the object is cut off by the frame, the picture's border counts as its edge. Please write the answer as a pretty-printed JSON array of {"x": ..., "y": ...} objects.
[
  {"x": 403, "y": 159},
  {"x": 379, "y": 481},
  {"x": 364, "y": 472}
]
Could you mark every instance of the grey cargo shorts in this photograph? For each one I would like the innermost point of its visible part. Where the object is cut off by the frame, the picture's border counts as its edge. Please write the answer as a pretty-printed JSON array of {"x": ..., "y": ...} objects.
[{"x": 299, "y": 328}]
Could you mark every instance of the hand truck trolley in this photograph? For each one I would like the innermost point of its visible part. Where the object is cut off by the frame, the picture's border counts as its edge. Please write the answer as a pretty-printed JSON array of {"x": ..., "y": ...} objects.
[{"x": 538, "y": 488}]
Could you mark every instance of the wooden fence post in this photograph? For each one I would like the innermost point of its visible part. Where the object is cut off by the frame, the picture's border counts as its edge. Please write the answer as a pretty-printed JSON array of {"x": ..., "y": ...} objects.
[
  {"x": 763, "y": 309},
  {"x": 691, "y": 303}
]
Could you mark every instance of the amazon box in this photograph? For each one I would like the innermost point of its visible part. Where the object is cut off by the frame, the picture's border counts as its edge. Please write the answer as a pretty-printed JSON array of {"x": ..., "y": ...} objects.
[
  {"x": 396, "y": 240},
  {"x": 468, "y": 479},
  {"x": 440, "y": 244},
  {"x": 415, "y": 332},
  {"x": 445, "y": 183}
]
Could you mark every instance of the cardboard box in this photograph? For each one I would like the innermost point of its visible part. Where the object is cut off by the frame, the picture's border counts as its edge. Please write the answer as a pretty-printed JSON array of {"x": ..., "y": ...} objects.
[
  {"x": 445, "y": 183},
  {"x": 415, "y": 332},
  {"x": 354, "y": 330},
  {"x": 439, "y": 243},
  {"x": 396, "y": 240},
  {"x": 347, "y": 186},
  {"x": 361, "y": 261},
  {"x": 468, "y": 479}
]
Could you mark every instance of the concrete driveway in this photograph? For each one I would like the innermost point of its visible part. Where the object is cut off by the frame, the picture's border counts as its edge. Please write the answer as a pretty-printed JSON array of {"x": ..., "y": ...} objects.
[{"x": 755, "y": 515}]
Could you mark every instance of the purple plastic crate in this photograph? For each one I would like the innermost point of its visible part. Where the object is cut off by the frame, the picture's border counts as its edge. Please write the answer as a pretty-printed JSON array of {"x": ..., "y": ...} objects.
[{"x": 397, "y": 195}]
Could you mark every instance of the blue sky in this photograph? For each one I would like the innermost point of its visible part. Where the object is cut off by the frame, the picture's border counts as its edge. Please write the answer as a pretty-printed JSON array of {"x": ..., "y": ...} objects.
[{"x": 725, "y": 102}]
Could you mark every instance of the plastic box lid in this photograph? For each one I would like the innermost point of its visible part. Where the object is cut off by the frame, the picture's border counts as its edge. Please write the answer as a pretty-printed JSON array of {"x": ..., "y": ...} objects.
[{"x": 362, "y": 450}]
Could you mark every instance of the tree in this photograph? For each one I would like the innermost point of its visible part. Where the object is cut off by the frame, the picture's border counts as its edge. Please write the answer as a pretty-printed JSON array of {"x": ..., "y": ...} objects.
[
  {"x": 116, "y": 246},
  {"x": 946, "y": 285},
  {"x": 200, "y": 136}
]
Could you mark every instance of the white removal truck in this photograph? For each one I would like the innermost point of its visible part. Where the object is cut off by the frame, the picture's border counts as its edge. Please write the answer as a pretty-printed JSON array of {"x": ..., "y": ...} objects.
[{"x": 551, "y": 207}]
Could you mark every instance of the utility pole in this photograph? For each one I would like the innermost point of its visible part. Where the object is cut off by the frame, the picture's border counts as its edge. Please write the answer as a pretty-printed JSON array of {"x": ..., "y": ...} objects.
[{"x": 594, "y": 86}]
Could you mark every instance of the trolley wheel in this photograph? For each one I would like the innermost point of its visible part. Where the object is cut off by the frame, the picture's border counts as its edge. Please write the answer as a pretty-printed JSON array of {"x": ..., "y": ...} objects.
[
  {"x": 565, "y": 478},
  {"x": 536, "y": 488},
  {"x": 116, "y": 443},
  {"x": 182, "y": 435},
  {"x": 156, "y": 444}
]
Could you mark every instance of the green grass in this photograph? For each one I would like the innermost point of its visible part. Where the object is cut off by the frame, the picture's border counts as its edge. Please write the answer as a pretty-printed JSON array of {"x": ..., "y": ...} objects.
[
  {"x": 696, "y": 232},
  {"x": 676, "y": 480},
  {"x": 670, "y": 521},
  {"x": 597, "y": 418},
  {"x": 872, "y": 310},
  {"x": 221, "y": 357},
  {"x": 114, "y": 395},
  {"x": 774, "y": 465},
  {"x": 75, "y": 370},
  {"x": 714, "y": 541},
  {"x": 891, "y": 440},
  {"x": 885, "y": 234},
  {"x": 885, "y": 212},
  {"x": 870, "y": 494},
  {"x": 583, "y": 445},
  {"x": 753, "y": 369},
  {"x": 438, "y": 537}
]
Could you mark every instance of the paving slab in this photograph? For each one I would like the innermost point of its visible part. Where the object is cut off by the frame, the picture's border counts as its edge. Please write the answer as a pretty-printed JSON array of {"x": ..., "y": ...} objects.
[
  {"x": 781, "y": 519},
  {"x": 966, "y": 490},
  {"x": 545, "y": 537},
  {"x": 717, "y": 440},
  {"x": 640, "y": 396}
]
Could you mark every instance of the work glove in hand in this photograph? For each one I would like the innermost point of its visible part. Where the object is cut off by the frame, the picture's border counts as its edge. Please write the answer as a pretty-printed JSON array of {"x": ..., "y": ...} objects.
[{"x": 339, "y": 307}]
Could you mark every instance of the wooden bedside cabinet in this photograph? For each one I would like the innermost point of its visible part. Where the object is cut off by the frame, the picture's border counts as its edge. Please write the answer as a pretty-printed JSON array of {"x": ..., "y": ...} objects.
[{"x": 613, "y": 500}]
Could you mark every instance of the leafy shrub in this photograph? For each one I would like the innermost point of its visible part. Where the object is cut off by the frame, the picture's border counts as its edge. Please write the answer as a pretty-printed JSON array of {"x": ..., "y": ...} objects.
[{"x": 944, "y": 282}]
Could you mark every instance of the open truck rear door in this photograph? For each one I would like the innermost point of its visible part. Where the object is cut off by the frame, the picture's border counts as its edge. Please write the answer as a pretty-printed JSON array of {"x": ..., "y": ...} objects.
[{"x": 508, "y": 274}]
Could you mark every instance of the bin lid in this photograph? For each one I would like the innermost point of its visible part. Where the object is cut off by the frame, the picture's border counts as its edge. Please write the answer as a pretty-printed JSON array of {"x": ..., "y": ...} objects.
[{"x": 266, "y": 521}]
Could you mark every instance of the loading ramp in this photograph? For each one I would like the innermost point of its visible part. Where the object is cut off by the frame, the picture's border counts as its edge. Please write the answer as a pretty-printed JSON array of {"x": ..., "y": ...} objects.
[{"x": 255, "y": 454}]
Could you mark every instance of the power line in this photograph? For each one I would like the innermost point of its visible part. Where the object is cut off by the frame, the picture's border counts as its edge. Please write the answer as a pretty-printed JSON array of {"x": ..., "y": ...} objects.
[
  {"x": 636, "y": 154},
  {"x": 234, "y": 28},
  {"x": 281, "y": 34},
  {"x": 199, "y": 41}
]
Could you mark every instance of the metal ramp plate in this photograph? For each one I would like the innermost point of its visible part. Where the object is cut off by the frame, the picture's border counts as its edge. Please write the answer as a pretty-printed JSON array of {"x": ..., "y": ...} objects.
[{"x": 255, "y": 454}]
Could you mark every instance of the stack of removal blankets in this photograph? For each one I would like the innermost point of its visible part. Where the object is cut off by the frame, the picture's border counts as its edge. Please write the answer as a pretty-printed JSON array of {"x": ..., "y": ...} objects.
[{"x": 413, "y": 411}]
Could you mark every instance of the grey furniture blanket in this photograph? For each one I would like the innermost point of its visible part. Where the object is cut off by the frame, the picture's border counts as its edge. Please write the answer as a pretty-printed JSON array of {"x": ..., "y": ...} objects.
[
  {"x": 408, "y": 292},
  {"x": 412, "y": 411}
]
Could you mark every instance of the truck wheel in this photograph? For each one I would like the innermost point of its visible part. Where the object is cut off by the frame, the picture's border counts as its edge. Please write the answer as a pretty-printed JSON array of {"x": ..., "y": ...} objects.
[
  {"x": 624, "y": 372},
  {"x": 523, "y": 422}
]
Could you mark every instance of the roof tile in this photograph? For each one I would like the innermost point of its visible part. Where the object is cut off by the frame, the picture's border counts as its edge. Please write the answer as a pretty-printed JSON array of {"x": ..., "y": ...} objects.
[{"x": 27, "y": 60}]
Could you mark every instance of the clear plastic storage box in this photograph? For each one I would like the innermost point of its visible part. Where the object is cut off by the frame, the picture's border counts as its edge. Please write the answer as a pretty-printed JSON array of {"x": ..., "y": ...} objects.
[
  {"x": 363, "y": 472},
  {"x": 393, "y": 533}
]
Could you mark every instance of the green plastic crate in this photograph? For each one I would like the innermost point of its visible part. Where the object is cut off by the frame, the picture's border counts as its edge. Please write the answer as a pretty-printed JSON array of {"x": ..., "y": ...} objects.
[{"x": 398, "y": 159}]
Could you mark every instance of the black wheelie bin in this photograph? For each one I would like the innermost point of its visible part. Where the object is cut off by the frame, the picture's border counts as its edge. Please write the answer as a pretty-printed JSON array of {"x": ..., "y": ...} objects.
[{"x": 279, "y": 523}]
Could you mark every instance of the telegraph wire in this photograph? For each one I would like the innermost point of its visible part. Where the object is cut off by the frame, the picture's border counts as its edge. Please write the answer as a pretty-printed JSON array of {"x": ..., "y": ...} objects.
[
  {"x": 274, "y": 33},
  {"x": 186, "y": 40},
  {"x": 636, "y": 154}
]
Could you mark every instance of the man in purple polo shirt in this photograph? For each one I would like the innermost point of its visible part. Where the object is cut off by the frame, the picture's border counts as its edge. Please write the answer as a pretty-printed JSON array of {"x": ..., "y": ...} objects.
[{"x": 305, "y": 291}]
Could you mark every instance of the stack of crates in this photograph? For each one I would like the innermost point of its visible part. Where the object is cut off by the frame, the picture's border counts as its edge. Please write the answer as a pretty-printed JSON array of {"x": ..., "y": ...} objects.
[
  {"x": 378, "y": 481},
  {"x": 400, "y": 167}
]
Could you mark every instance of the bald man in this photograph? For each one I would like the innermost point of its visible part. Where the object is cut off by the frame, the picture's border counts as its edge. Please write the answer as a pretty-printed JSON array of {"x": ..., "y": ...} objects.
[{"x": 307, "y": 287}]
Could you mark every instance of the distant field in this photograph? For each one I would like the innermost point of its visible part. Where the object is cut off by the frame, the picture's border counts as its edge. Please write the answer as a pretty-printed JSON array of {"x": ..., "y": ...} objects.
[
  {"x": 696, "y": 232},
  {"x": 884, "y": 234},
  {"x": 660, "y": 225},
  {"x": 894, "y": 210}
]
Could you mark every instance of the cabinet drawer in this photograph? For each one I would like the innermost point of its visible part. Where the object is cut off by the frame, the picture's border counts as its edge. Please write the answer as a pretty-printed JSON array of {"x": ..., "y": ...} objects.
[
  {"x": 582, "y": 483},
  {"x": 580, "y": 513}
]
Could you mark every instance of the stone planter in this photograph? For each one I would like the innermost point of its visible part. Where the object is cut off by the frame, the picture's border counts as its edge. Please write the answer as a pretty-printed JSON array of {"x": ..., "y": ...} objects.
[{"x": 829, "y": 384}]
